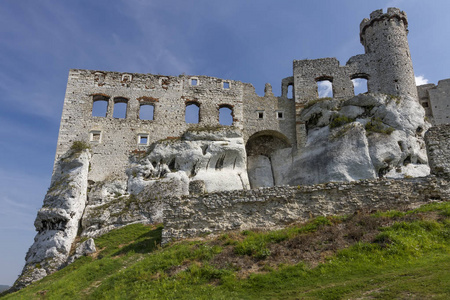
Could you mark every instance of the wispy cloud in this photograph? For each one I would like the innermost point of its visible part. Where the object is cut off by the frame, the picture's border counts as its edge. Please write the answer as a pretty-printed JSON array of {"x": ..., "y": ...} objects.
[{"x": 421, "y": 80}]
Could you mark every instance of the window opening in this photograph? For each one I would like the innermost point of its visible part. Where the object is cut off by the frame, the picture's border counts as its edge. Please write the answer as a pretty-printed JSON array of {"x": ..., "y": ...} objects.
[
  {"x": 194, "y": 81},
  {"x": 99, "y": 106},
  {"x": 359, "y": 85},
  {"x": 120, "y": 108},
  {"x": 290, "y": 92},
  {"x": 325, "y": 88},
  {"x": 95, "y": 136},
  {"x": 226, "y": 84},
  {"x": 192, "y": 113},
  {"x": 126, "y": 77},
  {"x": 143, "y": 139},
  {"x": 146, "y": 112},
  {"x": 280, "y": 115},
  {"x": 226, "y": 116},
  {"x": 260, "y": 114}
]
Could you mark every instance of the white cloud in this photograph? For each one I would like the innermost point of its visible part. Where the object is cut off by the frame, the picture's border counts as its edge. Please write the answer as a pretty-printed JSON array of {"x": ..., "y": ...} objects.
[
  {"x": 325, "y": 89},
  {"x": 421, "y": 80}
]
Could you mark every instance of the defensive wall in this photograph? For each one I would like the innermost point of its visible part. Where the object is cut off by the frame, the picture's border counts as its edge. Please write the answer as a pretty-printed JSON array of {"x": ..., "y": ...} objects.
[
  {"x": 275, "y": 207},
  {"x": 386, "y": 65}
]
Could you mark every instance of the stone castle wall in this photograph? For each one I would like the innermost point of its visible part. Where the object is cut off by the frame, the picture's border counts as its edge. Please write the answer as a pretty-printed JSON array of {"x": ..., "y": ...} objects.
[
  {"x": 113, "y": 139},
  {"x": 436, "y": 101},
  {"x": 274, "y": 207},
  {"x": 438, "y": 149}
]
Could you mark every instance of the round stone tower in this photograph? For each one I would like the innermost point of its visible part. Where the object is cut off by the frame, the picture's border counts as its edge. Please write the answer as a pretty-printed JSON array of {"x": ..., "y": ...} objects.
[{"x": 384, "y": 37}]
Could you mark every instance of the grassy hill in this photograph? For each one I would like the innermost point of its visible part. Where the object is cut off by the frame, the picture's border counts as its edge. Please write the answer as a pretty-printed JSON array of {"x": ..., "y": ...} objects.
[{"x": 383, "y": 255}]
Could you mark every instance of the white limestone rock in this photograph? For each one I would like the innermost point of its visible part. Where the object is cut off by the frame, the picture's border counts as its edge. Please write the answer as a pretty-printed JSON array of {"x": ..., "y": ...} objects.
[
  {"x": 217, "y": 158},
  {"x": 85, "y": 248},
  {"x": 383, "y": 137},
  {"x": 341, "y": 154},
  {"x": 260, "y": 171},
  {"x": 58, "y": 220}
]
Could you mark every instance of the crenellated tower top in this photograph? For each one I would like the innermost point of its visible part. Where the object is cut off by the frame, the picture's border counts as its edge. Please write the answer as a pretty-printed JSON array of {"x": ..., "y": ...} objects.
[{"x": 379, "y": 16}]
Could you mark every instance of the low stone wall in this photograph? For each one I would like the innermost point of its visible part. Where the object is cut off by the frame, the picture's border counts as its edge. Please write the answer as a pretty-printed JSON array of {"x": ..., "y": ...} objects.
[{"x": 275, "y": 207}]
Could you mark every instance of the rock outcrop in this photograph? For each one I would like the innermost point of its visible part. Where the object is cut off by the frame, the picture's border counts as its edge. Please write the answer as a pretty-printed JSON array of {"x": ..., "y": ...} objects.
[
  {"x": 58, "y": 220},
  {"x": 365, "y": 137}
]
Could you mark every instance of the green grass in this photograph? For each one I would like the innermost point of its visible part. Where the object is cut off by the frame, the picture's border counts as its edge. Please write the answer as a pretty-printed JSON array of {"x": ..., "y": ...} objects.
[{"x": 409, "y": 258}]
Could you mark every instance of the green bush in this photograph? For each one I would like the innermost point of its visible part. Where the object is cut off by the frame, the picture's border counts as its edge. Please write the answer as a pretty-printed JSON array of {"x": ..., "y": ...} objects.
[
  {"x": 375, "y": 125},
  {"x": 340, "y": 120},
  {"x": 79, "y": 146}
]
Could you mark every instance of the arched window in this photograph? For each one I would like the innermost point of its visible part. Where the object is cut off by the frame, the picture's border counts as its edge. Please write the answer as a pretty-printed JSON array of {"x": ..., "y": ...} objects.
[
  {"x": 146, "y": 112},
  {"x": 325, "y": 87},
  {"x": 192, "y": 113},
  {"x": 360, "y": 84},
  {"x": 120, "y": 108},
  {"x": 226, "y": 115},
  {"x": 99, "y": 105}
]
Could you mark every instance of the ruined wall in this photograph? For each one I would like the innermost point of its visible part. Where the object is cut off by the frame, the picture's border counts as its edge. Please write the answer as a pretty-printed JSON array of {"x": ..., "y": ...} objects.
[
  {"x": 278, "y": 206},
  {"x": 113, "y": 139},
  {"x": 268, "y": 114},
  {"x": 438, "y": 149},
  {"x": 424, "y": 99},
  {"x": 436, "y": 100}
]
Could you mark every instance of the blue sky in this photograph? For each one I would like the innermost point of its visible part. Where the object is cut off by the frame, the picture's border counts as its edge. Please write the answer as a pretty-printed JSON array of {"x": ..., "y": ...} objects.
[{"x": 250, "y": 41}]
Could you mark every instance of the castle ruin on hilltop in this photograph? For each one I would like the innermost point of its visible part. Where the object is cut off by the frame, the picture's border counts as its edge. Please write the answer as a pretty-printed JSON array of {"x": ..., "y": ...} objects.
[{"x": 281, "y": 160}]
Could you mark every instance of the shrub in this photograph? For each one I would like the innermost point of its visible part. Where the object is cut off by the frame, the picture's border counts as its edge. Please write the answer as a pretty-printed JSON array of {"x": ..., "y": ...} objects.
[
  {"x": 340, "y": 120},
  {"x": 79, "y": 146},
  {"x": 375, "y": 125}
]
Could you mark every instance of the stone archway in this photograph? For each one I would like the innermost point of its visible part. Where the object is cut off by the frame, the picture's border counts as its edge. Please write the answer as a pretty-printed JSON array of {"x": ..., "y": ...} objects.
[{"x": 261, "y": 148}]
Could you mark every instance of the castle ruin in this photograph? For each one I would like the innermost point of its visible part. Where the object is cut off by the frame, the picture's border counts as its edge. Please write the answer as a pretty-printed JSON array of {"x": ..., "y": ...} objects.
[
  {"x": 309, "y": 155},
  {"x": 386, "y": 65}
]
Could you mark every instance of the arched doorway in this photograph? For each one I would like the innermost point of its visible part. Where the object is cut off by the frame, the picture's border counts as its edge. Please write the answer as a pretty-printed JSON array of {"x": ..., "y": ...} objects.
[{"x": 261, "y": 149}]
